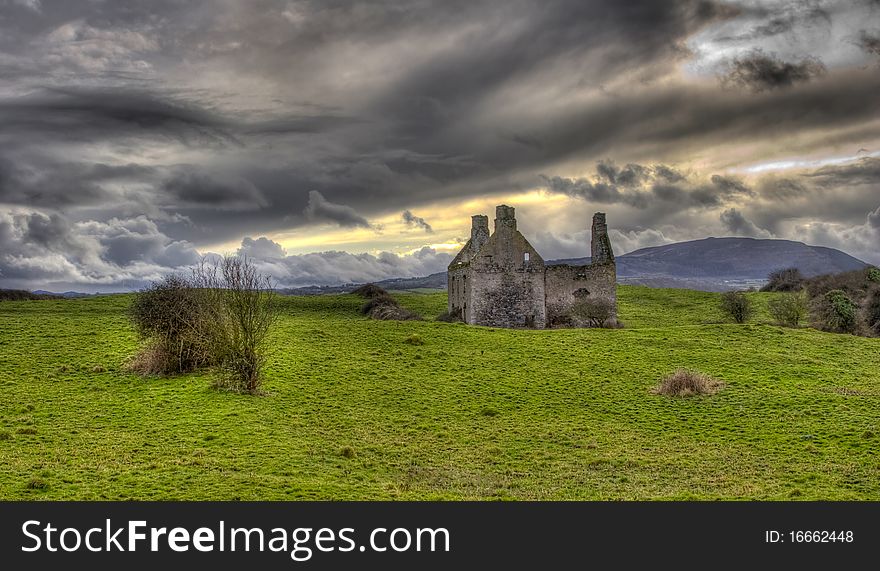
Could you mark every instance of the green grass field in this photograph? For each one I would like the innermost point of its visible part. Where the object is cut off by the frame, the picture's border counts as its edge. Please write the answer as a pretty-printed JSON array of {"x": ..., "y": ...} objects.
[{"x": 353, "y": 412}]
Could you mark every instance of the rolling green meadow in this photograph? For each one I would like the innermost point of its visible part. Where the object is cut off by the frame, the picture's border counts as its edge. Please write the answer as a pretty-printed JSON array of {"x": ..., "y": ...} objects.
[{"x": 353, "y": 412}]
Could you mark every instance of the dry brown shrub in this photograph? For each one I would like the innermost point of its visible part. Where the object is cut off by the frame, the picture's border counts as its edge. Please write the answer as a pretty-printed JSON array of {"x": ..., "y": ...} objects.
[{"x": 686, "y": 383}]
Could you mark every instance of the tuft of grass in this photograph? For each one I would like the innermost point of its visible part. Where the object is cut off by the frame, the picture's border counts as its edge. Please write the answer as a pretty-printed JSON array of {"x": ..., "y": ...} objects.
[
  {"x": 37, "y": 483},
  {"x": 414, "y": 339},
  {"x": 347, "y": 452},
  {"x": 489, "y": 412},
  {"x": 5, "y": 435},
  {"x": 99, "y": 369},
  {"x": 686, "y": 383},
  {"x": 27, "y": 430},
  {"x": 150, "y": 361}
]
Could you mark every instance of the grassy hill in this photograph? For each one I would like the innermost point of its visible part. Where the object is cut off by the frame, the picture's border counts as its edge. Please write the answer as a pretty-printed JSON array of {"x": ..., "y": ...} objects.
[{"x": 474, "y": 413}]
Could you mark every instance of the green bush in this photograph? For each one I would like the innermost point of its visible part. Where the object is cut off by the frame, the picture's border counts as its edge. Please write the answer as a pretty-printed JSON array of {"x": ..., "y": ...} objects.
[
  {"x": 836, "y": 311},
  {"x": 169, "y": 317},
  {"x": 737, "y": 306},
  {"x": 873, "y": 275}
]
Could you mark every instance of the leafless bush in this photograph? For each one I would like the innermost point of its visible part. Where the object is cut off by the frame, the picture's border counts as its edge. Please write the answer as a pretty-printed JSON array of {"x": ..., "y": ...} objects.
[
  {"x": 453, "y": 316},
  {"x": 152, "y": 359},
  {"x": 596, "y": 312},
  {"x": 789, "y": 308},
  {"x": 239, "y": 312},
  {"x": 369, "y": 291},
  {"x": 737, "y": 306},
  {"x": 685, "y": 383},
  {"x": 386, "y": 308},
  {"x": 789, "y": 279},
  {"x": 872, "y": 312}
]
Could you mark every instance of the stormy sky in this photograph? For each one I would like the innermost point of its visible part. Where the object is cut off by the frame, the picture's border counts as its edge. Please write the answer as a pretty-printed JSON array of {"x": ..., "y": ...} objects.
[{"x": 350, "y": 141}]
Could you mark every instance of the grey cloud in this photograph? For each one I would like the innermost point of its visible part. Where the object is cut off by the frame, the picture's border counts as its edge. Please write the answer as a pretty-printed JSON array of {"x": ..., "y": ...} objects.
[
  {"x": 82, "y": 114},
  {"x": 760, "y": 72},
  {"x": 321, "y": 210},
  {"x": 262, "y": 248},
  {"x": 738, "y": 225},
  {"x": 192, "y": 186},
  {"x": 642, "y": 187},
  {"x": 49, "y": 249},
  {"x": 416, "y": 221},
  {"x": 782, "y": 189},
  {"x": 389, "y": 106},
  {"x": 859, "y": 240},
  {"x": 870, "y": 42},
  {"x": 334, "y": 267}
]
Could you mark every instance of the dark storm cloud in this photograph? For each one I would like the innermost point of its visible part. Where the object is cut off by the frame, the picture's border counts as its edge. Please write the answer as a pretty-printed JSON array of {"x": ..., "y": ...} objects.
[
  {"x": 223, "y": 120},
  {"x": 642, "y": 187},
  {"x": 865, "y": 171},
  {"x": 84, "y": 115},
  {"x": 412, "y": 220},
  {"x": 870, "y": 42},
  {"x": 320, "y": 209},
  {"x": 738, "y": 225},
  {"x": 192, "y": 186},
  {"x": 759, "y": 71}
]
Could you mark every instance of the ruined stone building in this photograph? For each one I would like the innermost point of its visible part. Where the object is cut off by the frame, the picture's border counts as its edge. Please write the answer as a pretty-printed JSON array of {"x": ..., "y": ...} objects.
[{"x": 500, "y": 280}]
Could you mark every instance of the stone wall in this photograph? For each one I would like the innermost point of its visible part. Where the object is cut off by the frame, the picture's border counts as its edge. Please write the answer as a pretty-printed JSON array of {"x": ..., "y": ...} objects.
[
  {"x": 507, "y": 279},
  {"x": 566, "y": 284}
]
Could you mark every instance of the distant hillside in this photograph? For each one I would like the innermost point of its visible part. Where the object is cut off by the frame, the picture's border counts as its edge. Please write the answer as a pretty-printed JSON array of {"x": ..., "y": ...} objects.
[
  {"x": 434, "y": 281},
  {"x": 717, "y": 264},
  {"x": 24, "y": 295}
]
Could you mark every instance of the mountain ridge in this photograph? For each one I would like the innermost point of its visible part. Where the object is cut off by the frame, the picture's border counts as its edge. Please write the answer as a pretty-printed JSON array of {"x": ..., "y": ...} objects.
[{"x": 709, "y": 264}]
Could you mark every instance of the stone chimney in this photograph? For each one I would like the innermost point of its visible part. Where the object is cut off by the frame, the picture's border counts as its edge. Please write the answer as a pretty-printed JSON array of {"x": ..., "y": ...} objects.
[
  {"x": 601, "y": 243},
  {"x": 479, "y": 231},
  {"x": 505, "y": 218}
]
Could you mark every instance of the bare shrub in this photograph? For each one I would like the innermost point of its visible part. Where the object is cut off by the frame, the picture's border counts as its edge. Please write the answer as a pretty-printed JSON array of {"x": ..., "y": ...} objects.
[
  {"x": 595, "y": 312},
  {"x": 385, "y": 307},
  {"x": 150, "y": 360},
  {"x": 453, "y": 316},
  {"x": 238, "y": 313},
  {"x": 855, "y": 284},
  {"x": 737, "y": 306},
  {"x": 789, "y": 279},
  {"x": 369, "y": 291},
  {"x": 789, "y": 308},
  {"x": 686, "y": 383}
]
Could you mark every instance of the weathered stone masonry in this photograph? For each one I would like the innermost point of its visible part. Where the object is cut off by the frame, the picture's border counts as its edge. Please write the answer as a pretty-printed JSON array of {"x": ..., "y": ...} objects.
[{"x": 500, "y": 280}]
